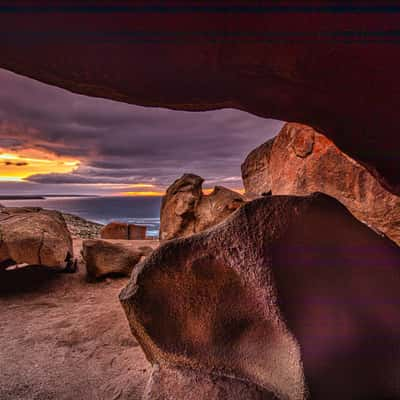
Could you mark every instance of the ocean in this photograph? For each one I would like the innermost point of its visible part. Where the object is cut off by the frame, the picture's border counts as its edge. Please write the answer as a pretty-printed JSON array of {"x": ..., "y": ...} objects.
[{"x": 137, "y": 210}]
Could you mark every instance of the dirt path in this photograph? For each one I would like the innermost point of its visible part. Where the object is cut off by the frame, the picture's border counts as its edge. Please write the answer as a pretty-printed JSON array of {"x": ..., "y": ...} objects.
[{"x": 63, "y": 338}]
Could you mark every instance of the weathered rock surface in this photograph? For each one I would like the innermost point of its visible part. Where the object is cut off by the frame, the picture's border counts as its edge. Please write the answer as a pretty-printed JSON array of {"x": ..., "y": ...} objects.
[
  {"x": 184, "y": 384},
  {"x": 301, "y": 161},
  {"x": 255, "y": 171},
  {"x": 291, "y": 294},
  {"x": 137, "y": 232},
  {"x": 216, "y": 207},
  {"x": 34, "y": 236},
  {"x": 185, "y": 210},
  {"x": 178, "y": 208},
  {"x": 123, "y": 231},
  {"x": 114, "y": 257}
]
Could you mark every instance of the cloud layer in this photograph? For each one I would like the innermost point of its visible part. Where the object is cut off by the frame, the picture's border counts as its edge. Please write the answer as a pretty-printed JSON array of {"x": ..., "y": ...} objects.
[{"x": 121, "y": 144}]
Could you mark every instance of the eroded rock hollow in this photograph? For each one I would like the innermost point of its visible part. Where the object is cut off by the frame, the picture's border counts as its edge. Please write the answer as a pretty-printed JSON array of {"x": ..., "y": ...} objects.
[{"x": 290, "y": 297}]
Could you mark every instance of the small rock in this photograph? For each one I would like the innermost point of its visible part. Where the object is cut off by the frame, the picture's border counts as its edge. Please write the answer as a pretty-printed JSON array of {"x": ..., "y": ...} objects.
[
  {"x": 123, "y": 231},
  {"x": 105, "y": 258}
]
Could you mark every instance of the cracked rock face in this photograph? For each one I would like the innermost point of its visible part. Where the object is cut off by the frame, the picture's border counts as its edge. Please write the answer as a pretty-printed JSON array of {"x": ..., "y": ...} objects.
[
  {"x": 185, "y": 210},
  {"x": 289, "y": 296},
  {"x": 300, "y": 161},
  {"x": 34, "y": 236}
]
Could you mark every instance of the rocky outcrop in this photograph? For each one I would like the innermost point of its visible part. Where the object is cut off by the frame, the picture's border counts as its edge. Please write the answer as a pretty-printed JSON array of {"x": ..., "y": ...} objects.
[
  {"x": 123, "y": 231},
  {"x": 81, "y": 228},
  {"x": 291, "y": 295},
  {"x": 34, "y": 236},
  {"x": 114, "y": 257},
  {"x": 185, "y": 210},
  {"x": 301, "y": 161},
  {"x": 179, "y": 205}
]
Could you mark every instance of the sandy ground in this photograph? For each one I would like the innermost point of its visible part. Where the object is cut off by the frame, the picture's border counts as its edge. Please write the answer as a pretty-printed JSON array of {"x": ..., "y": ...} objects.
[{"x": 64, "y": 338}]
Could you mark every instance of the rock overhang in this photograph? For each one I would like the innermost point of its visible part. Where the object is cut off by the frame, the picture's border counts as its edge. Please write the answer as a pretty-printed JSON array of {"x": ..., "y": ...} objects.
[{"x": 294, "y": 62}]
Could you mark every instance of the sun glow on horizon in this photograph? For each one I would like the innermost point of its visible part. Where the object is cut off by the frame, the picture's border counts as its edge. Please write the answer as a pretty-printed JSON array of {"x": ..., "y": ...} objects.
[
  {"x": 146, "y": 194},
  {"x": 210, "y": 190},
  {"x": 162, "y": 193},
  {"x": 10, "y": 179},
  {"x": 141, "y": 185},
  {"x": 17, "y": 166}
]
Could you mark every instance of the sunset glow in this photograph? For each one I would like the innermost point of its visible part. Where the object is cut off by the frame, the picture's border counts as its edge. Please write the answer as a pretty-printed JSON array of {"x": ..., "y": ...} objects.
[
  {"x": 210, "y": 190},
  {"x": 142, "y": 194},
  {"x": 142, "y": 185},
  {"x": 162, "y": 193},
  {"x": 56, "y": 142},
  {"x": 16, "y": 166}
]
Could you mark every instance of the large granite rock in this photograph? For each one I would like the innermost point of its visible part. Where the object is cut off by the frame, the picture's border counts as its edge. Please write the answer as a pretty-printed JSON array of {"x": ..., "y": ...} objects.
[
  {"x": 290, "y": 296},
  {"x": 185, "y": 210},
  {"x": 301, "y": 161},
  {"x": 123, "y": 231},
  {"x": 34, "y": 236},
  {"x": 114, "y": 257}
]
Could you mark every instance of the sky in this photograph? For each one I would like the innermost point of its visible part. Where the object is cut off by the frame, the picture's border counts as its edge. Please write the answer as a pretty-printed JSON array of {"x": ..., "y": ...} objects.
[{"x": 55, "y": 142}]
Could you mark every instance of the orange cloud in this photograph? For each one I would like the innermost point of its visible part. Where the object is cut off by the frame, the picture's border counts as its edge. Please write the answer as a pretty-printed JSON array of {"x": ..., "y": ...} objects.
[{"x": 19, "y": 165}]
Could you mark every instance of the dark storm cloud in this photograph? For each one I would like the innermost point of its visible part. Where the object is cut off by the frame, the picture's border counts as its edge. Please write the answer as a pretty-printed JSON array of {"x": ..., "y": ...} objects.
[
  {"x": 118, "y": 142},
  {"x": 15, "y": 164},
  {"x": 72, "y": 178}
]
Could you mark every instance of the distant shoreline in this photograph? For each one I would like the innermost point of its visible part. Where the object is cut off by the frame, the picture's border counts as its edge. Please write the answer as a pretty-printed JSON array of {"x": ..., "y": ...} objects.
[
  {"x": 42, "y": 197},
  {"x": 99, "y": 209}
]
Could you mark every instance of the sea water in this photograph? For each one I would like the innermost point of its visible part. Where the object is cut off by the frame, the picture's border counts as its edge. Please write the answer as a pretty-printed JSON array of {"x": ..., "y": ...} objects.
[{"x": 137, "y": 210}]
